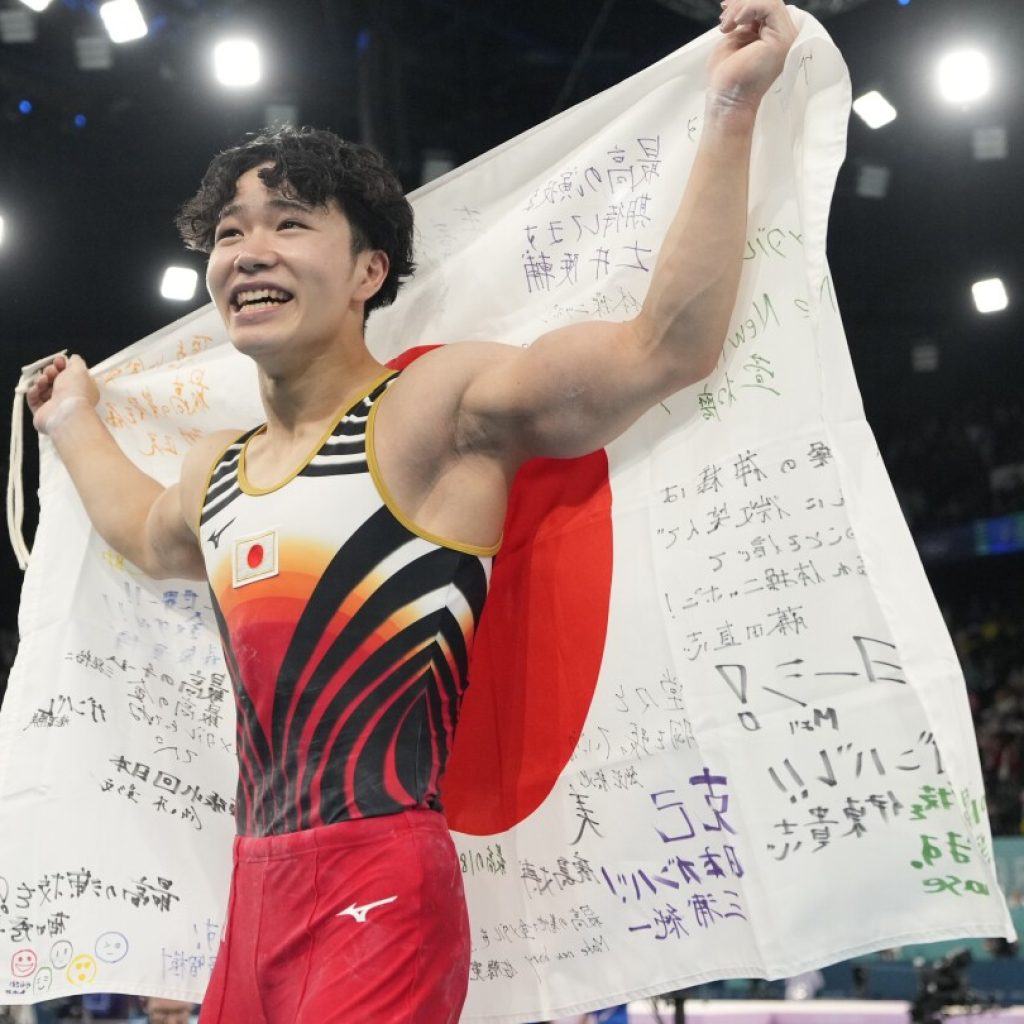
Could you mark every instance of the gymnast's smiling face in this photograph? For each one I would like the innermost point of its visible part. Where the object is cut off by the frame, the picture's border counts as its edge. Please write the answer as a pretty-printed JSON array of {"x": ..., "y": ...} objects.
[{"x": 285, "y": 277}]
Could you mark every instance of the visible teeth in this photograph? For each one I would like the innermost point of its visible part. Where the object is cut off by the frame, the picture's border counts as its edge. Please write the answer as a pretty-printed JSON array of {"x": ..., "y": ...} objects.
[
  {"x": 261, "y": 296},
  {"x": 260, "y": 305}
]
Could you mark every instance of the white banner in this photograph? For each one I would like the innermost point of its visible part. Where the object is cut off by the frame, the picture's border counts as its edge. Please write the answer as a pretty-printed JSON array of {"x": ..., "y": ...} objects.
[{"x": 715, "y": 728}]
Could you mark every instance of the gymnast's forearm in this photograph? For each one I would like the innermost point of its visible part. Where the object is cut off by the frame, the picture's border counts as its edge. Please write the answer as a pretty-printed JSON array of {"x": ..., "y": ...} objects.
[
  {"x": 116, "y": 494},
  {"x": 697, "y": 275}
]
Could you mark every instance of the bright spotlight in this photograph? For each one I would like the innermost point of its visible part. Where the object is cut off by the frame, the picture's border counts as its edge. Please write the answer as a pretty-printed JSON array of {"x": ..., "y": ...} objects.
[
  {"x": 179, "y": 283},
  {"x": 237, "y": 62},
  {"x": 1, "y": 230},
  {"x": 990, "y": 295},
  {"x": 964, "y": 76},
  {"x": 123, "y": 20},
  {"x": 874, "y": 109},
  {"x": 37, "y": 5}
]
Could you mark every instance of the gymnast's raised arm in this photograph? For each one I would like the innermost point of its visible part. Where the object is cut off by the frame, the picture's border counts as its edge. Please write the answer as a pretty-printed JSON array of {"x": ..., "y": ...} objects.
[{"x": 577, "y": 388}]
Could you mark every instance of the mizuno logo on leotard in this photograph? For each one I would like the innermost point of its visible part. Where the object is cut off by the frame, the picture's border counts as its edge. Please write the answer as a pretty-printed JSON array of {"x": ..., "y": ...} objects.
[
  {"x": 359, "y": 913},
  {"x": 216, "y": 535}
]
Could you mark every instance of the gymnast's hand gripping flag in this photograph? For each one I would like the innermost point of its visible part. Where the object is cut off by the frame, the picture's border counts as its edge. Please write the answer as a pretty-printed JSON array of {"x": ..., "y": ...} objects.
[{"x": 713, "y": 712}]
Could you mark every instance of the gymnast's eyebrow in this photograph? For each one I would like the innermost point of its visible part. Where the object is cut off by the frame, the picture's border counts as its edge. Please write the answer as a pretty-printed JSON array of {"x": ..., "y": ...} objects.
[{"x": 277, "y": 203}]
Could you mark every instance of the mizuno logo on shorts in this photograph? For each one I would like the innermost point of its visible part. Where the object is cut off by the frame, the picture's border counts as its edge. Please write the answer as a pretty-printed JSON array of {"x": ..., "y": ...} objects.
[{"x": 359, "y": 913}]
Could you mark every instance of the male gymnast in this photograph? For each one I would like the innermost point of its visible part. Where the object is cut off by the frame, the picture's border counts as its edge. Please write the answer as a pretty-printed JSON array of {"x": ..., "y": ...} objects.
[{"x": 347, "y": 541}]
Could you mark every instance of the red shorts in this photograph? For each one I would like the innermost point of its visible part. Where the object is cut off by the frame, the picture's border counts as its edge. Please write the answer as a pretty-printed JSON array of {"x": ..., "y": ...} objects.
[{"x": 359, "y": 921}]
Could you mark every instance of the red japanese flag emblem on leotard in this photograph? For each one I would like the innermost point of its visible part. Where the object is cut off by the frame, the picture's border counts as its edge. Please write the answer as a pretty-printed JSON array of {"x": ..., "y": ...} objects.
[{"x": 254, "y": 558}]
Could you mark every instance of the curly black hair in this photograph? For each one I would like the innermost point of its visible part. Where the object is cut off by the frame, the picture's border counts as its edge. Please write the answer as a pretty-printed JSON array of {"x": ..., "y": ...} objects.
[{"x": 314, "y": 166}]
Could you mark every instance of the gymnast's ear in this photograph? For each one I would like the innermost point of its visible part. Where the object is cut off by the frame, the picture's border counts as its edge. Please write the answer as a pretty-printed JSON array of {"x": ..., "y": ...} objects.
[{"x": 372, "y": 266}]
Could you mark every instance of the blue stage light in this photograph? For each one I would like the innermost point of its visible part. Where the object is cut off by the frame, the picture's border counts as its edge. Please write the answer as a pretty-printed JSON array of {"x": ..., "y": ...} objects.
[
  {"x": 80, "y": 120},
  {"x": 25, "y": 107}
]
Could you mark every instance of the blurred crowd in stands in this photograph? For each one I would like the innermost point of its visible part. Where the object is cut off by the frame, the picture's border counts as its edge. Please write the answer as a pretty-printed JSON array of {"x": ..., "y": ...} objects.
[
  {"x": 967, "y": 463},
  {"x": 950, "y": 470},
  {"x": 989, "y": 640}
]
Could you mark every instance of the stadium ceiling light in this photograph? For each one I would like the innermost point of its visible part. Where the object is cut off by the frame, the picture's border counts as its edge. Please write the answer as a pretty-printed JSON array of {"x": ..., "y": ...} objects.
[
  {"x": 924, "y": 357},
  {"x": 964, "y": 76},
  {"x": 236, "y": 62},
  {"x": 874, "y": 109},
  {"x": 93, "y": 53},
  {"x": 990, "y": 295},
  {"x": 37, "y": 5},
  {"x": 1, "y": 230},
  {"x": 179, "y": 283},
  {"x": 873, "y": 181},
  {"x": 17, "y": 26},
  {"x": 123, "y": 20},
  {"x": 990, "y": 143}
]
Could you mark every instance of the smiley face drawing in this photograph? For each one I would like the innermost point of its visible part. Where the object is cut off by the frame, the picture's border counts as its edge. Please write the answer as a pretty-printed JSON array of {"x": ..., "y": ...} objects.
[
  {"x": 111, "y": 947},
  {"x": 24, "y": 963},
  {"x": 82, "y": 969},
  {"x": 44, "y": 979},
  {"x": 60, "y": 954}
]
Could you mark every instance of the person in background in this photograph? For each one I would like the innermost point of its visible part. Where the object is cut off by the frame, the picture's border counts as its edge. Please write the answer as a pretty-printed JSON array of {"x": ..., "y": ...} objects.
[{"x": 168, "y": 1011}]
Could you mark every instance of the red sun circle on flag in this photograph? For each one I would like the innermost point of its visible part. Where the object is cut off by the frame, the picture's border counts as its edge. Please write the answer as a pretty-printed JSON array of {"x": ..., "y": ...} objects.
[
  {"x": 255, "y": 556},
  {"x": 527, "y": 702}
]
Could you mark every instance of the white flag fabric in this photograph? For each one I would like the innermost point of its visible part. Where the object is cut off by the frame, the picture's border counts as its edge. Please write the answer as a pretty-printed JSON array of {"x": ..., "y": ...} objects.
[{"x": 715, "y": 725}]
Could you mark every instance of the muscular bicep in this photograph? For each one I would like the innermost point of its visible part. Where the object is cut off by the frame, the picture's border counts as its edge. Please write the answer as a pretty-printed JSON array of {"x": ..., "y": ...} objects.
[
  {"x": 172, "y": 547},
  {"x": 573, "y": 391}
]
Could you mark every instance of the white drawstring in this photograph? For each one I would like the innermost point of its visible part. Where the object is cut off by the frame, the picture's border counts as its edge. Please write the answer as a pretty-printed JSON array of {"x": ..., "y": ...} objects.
[{"x": 15, "y": 486}]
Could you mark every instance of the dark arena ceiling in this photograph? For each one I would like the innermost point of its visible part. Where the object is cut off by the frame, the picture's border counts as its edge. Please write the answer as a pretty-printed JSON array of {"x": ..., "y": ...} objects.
[
  {"x": 707, "y": 10},
  {"x": 88, "y": 207}
]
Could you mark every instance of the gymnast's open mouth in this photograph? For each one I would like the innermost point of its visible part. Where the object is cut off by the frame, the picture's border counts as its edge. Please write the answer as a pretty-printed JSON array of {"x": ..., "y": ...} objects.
[{"x": 252, "y": 298}]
